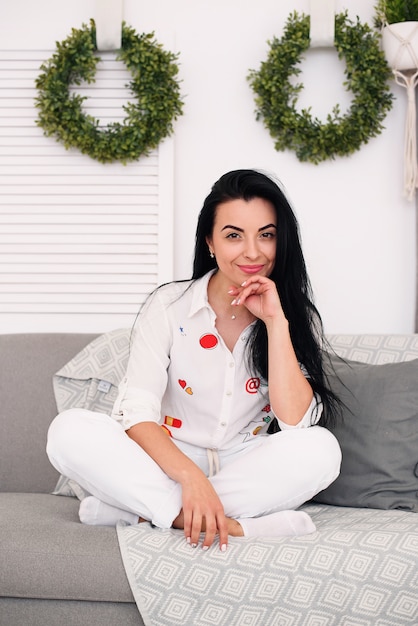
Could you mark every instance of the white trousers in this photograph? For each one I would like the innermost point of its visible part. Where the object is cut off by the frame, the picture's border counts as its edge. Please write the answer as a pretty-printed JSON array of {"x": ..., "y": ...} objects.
[{"x": 269, "y": 474}]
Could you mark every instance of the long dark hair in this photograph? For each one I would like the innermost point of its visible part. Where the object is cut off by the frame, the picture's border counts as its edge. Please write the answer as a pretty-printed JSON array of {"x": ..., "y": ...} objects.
[{"x": 289, "y": 274}]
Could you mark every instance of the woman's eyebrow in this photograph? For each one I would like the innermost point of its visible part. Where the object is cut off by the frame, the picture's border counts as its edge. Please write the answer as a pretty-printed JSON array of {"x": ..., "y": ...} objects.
[
  {"x": 268, "y": 226},
  {"x": 241, "y": 230}
]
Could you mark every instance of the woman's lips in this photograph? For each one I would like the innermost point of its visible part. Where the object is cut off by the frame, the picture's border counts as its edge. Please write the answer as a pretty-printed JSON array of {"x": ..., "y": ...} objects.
[{"x": 251, "y": 269}]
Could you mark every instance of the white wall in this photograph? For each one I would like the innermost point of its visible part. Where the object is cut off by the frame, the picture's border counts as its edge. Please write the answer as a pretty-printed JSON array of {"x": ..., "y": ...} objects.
[{"x": 358, "y": 230}]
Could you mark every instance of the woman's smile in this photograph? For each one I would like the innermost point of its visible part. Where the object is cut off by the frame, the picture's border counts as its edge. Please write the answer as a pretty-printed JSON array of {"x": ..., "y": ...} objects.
[{"x": 251, "y": 269}]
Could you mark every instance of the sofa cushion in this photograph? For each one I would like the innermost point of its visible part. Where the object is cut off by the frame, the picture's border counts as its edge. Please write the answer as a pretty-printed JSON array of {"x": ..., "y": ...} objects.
[
  {"x": 46, "y": 553},
  {"x": 90, "y": 381},
  {"x": 378, "y": 435}
]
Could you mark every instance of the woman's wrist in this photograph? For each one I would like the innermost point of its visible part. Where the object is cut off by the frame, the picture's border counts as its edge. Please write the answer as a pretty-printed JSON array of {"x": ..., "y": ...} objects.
[
  {"x": 278, "y": 323},
  {"x": 188, "y": 473}
]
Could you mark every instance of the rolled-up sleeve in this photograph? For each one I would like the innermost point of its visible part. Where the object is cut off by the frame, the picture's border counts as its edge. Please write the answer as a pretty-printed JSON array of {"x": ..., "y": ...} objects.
[
  {"x": 311, "y": 417},
  {"x": 143, "y": 386}
]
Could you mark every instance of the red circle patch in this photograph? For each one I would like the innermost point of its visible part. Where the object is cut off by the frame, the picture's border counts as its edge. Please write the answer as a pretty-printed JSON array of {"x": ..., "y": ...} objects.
[{"x": 208, "y": 341}]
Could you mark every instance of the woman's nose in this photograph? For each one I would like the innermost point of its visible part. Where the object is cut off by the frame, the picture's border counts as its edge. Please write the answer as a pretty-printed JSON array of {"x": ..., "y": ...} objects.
[{"x": 251, "y": 250}]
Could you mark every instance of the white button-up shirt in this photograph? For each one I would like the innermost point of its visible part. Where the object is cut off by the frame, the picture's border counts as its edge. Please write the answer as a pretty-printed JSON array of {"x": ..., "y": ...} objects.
[{"x": 181, "y": 375}]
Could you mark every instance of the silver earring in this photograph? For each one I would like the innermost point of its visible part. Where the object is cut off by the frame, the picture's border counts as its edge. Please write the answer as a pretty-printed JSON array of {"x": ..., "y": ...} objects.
[{"x": 212, "y": 256}]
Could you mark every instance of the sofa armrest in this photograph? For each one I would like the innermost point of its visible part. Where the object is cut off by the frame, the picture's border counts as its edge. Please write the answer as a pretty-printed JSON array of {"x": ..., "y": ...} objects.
[{"x": 27, "y": 364}]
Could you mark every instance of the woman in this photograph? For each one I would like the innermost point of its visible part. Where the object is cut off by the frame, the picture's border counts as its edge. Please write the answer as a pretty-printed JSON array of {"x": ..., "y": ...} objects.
[{"x": 218, "y": 425}]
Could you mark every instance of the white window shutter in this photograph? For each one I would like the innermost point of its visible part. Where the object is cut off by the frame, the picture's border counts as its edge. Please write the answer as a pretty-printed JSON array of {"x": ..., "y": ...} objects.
[{"x": 81, "y": 243}]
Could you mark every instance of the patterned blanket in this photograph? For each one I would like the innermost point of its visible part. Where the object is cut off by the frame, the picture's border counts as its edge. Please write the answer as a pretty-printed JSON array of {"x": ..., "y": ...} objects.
[{"x": 359, "y": 569}]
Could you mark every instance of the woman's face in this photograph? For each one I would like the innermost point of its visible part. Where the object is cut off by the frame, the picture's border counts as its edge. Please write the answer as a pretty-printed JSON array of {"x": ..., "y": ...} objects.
[{"x": 244, "y": 239}]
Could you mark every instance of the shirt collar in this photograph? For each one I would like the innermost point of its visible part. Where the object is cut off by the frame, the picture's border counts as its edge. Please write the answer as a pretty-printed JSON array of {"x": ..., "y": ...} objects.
[{"x": 200, "y": 293}]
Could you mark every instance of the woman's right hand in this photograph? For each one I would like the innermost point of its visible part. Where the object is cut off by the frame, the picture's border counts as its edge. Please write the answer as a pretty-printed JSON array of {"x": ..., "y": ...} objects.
[{"x": 202, "y": 511}]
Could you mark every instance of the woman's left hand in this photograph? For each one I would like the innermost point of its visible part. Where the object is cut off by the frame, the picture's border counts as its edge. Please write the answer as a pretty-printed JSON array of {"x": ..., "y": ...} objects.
[{"x": 259, "y": 295}]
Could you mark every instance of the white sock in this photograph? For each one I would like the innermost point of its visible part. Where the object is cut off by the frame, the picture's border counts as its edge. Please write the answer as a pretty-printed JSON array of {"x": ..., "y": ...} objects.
[
  {"x": 97, "y": 513},
  {"x": 281, "y": 524}
]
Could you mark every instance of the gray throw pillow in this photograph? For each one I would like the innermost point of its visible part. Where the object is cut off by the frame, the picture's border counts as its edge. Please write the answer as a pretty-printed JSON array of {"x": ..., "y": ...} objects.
[
  {"x": 378, "y": 435},
  {"x": 90, "y": 380}
]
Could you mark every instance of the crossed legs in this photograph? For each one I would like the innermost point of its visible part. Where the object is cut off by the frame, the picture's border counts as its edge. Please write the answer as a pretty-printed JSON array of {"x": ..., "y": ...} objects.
[{"x": 259, "y": 489}]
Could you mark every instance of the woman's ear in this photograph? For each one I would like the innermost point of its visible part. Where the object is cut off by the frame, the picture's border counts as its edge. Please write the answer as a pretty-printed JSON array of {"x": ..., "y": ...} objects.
[{"x": 209, "y": 242}]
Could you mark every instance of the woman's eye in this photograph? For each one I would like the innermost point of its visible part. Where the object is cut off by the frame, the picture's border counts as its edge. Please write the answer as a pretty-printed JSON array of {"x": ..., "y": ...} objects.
[
  {"x": 268, "y": 235},
  {"x": 232, "y": 236}
]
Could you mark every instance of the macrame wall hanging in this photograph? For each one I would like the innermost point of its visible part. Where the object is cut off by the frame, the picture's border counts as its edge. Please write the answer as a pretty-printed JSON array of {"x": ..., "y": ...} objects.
[{"x": 400, "y": 44}]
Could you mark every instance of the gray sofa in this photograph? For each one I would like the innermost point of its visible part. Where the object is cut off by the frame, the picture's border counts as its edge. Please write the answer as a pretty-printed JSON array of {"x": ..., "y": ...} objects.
[{"x": 54, "y": 570}]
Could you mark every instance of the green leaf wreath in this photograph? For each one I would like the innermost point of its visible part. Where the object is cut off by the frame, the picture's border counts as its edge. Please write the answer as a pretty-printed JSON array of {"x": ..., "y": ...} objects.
[
  {"x": 367, "y": 74},
  {"x": 148, "y": 119}
]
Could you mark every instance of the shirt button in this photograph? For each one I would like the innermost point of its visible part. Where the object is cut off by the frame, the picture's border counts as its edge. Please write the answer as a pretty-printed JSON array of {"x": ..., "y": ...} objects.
[
  {"x": 223, "y": 424},
  {"x": 231, "y": 364},
  {"x": 229, "y": 393}
]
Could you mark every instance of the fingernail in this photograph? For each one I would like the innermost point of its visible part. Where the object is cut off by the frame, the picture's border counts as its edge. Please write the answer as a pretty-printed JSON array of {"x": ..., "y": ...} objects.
[
  {"x": 223, "y": 547},
  {"x": 205, "y": 548},
  {"x": 244, "y": 283},
  {"x": 188, "y": 539},
  {"x": 234, "y": 301},
  {"x": 231, "y": 291}
]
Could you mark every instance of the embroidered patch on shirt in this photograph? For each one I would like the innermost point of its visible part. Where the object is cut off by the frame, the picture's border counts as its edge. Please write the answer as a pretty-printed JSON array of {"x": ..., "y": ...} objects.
[
  {"x": 208, "y": 341},
  {"x": 255, "y": 427},
  {"x": 173, "y": 421},
  {"x": 183, "y": 385},
  {"x": 252, "y": 385}
]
